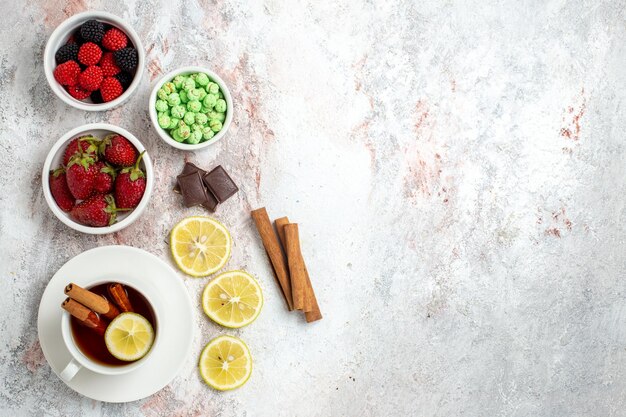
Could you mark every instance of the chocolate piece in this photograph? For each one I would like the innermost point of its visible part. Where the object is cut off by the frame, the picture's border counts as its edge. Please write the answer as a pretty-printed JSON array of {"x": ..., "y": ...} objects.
[
  {"x": 192, "y": 189},
  {"x": 220, "y": 184},
  {"x": 210, "y": 203},
  {"x": 188, "y": 168}
]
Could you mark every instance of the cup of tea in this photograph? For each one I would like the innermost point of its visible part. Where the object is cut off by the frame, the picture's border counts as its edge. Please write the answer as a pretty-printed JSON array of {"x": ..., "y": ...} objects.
[{"x": 105, "y": 317}]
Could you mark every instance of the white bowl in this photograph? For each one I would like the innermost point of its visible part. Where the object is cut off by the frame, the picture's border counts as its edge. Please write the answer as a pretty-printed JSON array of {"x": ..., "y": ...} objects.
[
  {"x": 163, "y": 133},
  {"x": 59, "y": 37},
  {"x": 55, "y": 157}
]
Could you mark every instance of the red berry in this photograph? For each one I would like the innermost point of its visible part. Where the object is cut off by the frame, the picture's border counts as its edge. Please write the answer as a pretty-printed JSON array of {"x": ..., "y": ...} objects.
[
  {"x": 97, "y": 211},
  {"x": 81, "y": 176},
  {"x": 89, "y": 54},
  {"x": 114, "y": 39},
  {"x": 104, "y": 178},
  {"x": 91, "y": 78},
  {"x": 110, "y": 89},
  {"x": 67, "y": 73},
  {"x": 60, "y": 191},
  {"x": 118, "y": 150},
  {"x": 108, "y": 65},
  {"x": 130, "y": 186},
  {"x": 77, "y": 92},
  {"x": 88, "y": 144}
]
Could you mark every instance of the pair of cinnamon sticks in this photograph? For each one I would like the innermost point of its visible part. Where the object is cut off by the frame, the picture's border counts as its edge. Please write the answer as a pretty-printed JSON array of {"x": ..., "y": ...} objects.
[
  {"x": 283, "y": 249},
  {"x": 89, "y": 307}
]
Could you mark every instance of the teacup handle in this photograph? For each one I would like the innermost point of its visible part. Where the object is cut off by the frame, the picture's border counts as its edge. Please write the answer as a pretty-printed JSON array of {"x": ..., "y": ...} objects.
[{"x": 70, "y": 370}]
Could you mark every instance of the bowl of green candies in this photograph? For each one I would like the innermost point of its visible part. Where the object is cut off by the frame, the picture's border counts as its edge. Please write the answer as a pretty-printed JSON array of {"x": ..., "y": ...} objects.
[{"x": 191, "y": 108}]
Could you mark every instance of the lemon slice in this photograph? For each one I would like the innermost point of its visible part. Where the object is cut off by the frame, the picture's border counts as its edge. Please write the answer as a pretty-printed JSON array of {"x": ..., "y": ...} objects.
[
  {"x": 232, "y": 299},
  {"x": 225, "y": 363},
  {"x": 129, "y": 337},
  {"x": 200, "y": 245}
]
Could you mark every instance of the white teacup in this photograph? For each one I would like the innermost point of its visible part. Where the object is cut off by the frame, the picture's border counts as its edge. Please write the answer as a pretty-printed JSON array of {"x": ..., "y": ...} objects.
[{"x": 80, "y": 360}]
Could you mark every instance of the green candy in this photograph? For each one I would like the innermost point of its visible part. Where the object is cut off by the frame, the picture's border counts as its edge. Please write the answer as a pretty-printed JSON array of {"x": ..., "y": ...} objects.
[
  {"x": 193, "y": 94},
  {"x": 209, "y": 101},
  {"x": 220, "y": 105},
  {"x": 189, "y": 118},
  {"x": 183, "y": 96},
  {"x": 178, "y": 81},
  {"x": 220, "y": 94},
  {"x": 207, "y": 133},
  {"x": 164, "y": 121},
  {"x": 176, "y": 135},
  {"x": 173, "y": 99},
  {"x": 173, "y": 123},
  {"x": 194, "y": 106},
  {"x": 195, "y": 127},
  {"x": 178, "y": 111},
  {"x": 201, "y": 93},
  {"x": 162, "y": 94},
  {"x": 217, "y": 116},
  {"x": 169, "y": 87},
  {"x": 195, "y": 137},
  {"x": 202, "y": 79},
  {"x": 215, "y": 125},
  {"x": 201, "y": 118},
  {"x": 161, "y": 105},
  {"x": 212, "y": 88},
  {"x": 184, "y": 131},
  {"x": 189, "y": 84}
]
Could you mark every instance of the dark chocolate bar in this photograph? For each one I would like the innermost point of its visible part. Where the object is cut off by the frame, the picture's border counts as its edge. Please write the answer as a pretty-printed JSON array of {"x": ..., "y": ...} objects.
[
  {"x": 220, "y": 184},
  {"x": 192, "y": 189},
  {"x": 188, "y": 168}
]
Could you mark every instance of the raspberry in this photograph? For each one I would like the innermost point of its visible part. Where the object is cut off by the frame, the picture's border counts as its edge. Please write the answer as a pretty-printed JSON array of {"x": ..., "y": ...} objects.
[
  {"x": 68, "y": 52},
  {"x": 96, "y": 97},
  {"x": 89, "y": 54},
  {"x": 110, "y": 89},
  {"x": 91, "y": 78},
  {"x": 92, "y": 31},
  {"x": 67, "y": 73},
  {"x": 114, "y": 39},
  {"x": 125, "y": 79},
  {"x": 108, "y": 65},
  {"x": 126, "y": 58},
  {"x": 77, "y": 92}
]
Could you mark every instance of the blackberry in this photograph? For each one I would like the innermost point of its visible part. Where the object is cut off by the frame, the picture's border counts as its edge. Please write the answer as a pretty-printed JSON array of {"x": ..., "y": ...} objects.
[
  {"x": 126, "y": 58},
  {"x": 68, "y": 52},
  {"x": 125, "y": 79},
  {"x": 96, "y": 97},
  {"x": 92, "y": 31}
]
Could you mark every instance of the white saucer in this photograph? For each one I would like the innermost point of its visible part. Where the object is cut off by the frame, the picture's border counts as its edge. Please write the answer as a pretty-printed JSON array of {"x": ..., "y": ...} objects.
[{"x": 176, "y": 325}]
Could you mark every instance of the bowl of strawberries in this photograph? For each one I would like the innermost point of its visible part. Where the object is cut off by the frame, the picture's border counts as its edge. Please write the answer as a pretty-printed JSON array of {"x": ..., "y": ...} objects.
[
  {"x": 97, "y": 178},
  {"x": 93, "y": 61}
]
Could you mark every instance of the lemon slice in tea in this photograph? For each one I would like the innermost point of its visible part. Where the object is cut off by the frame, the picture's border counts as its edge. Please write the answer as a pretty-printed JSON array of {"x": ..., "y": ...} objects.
[
  {"x": 200, "y": 245},
  {"x": 232, "y": 299},
  {"x": 129, "y": 337},
  {"x": 225, "y": 363}
]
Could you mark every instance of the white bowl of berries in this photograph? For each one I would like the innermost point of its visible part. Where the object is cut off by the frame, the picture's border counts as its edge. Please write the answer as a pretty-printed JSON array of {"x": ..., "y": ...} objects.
[
  {"x": 93, "y": 61},
  {"x": 97, "y": 178}
]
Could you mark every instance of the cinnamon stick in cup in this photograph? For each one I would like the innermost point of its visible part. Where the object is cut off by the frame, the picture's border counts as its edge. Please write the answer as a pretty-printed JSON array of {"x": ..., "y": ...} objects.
[
  {"x": 311, "y": 308},
  {"x": 95, "y": 302},
  {"x": 272, "y": 247},
  {"x": 84, "y": 315},
  {"x": 119, "y": 296}
]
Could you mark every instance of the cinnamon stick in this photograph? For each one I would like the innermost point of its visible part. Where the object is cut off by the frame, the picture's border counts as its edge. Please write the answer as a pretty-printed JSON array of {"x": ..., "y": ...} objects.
[
  {"x": 272, "y": 248},
  {"x": 120, "y": 297},
  {"x": 84, "y": 315},
  {"x": 95, "y": 302},
  {"x": 296, "y": 264},
  {"x": 310, "y": 301}
]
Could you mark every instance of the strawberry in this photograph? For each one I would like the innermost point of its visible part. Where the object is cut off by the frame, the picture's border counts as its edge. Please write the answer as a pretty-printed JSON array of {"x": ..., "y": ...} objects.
[
  {"x": 81, "y": 175},
  {"x": 118, "y": 150},
  {"x": 105, "y": 177},
  {"x": 130, "y": 185},
  {"x": 88, "y": 144},
  {"x": 97, "y": 211},
  {"x": 59, "y": 189}
]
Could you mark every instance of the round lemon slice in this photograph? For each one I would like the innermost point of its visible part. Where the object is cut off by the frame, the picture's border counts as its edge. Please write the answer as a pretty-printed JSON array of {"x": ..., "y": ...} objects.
[
  {"x": 225, "y": 363},
  {"x": 232, "y": 299},
  {"x": 129, "y": 337},
  {"x": 200, "y": 245}
]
